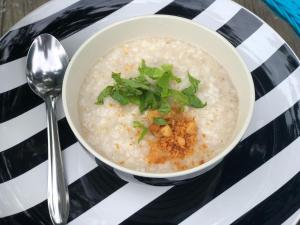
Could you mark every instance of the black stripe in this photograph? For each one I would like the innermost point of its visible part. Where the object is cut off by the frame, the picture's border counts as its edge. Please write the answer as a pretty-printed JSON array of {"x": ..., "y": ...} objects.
[
  {"x": 84, "y": 194},
  {"x": 277, "y": 208},
  {"x": 17, "y": 101},
  {"x": 181, "y": 201},
  {"x": 31, "y": 152},
  {"x": 273, "y": 71},
  {"x": 61, "y": 24},
  {"x": 239, "y": 27},
  {"x": 186, "y": 8}
]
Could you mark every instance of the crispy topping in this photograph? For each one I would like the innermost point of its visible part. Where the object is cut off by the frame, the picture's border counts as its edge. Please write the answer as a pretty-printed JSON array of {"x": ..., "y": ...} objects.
[
  {"x": 173, "y": 141},
  {"x": 166, "y": 131}
]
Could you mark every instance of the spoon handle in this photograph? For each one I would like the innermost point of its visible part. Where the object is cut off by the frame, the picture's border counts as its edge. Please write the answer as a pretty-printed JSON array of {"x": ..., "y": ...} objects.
[{"x": 58, "y": 195}]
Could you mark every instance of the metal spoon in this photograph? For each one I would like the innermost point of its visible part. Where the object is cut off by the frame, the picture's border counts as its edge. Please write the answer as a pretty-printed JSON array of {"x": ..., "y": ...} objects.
[{"x": 45, "y": 69}]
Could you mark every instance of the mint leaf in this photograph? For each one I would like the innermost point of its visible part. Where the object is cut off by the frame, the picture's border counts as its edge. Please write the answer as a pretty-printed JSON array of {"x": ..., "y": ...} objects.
[
  {"x": 164, "y": 83},
  {"x": 148, "y": 101},
  {"x": 103, "y": 94},
  {"x": 164, "y": 106},
  {"x": 135, "y": 84},
  {"x": 117, "y": 77},
  {"x": 167, "y": 67},
  {"x": 179, "y": 97},
  {"x": 122, "y": 99},
  {"x": 134, "y": 100},
  {"x": 137, "y": 124},
  {"x": 160, "y": 121},
  {"x": 152, "y": 72},
  {"x": 193, "y": 88},
  {"x": 155, "y": 94},
  {"x": 195, "y": 102}
]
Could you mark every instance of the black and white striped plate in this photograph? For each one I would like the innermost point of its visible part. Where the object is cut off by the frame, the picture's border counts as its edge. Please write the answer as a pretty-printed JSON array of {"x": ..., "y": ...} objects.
[{"x": 259, "y": 181}]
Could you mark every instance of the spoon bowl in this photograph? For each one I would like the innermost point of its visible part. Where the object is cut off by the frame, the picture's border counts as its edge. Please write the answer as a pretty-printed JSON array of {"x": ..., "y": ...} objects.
[{"x": 46, "y": 64}]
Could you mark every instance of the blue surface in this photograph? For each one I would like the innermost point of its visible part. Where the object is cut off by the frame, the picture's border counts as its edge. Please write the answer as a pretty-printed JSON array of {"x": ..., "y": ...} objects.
[{"x": 289, "y": 10}]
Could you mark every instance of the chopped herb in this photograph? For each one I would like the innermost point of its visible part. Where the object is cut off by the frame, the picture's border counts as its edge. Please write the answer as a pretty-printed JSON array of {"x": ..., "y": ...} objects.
[
  {"x": 190, "y": 92},
  {"x": 168, "y": 68},
  {"x": 180, "y": 98},
  {"x": 120, "y": 97},
  {"x": 195, "y": 102},
  {"x": 152, "y": 72},
  {"x": 165, "y": 106},
  {"x": 137, "y": 124},
  {"x": 164, "y": 83},
  {"x": 105, "y": 93},
  {"x": 160, "y": 121},
  {"x": 151, "y": 89},
  {"x": 194, "y": 86}
]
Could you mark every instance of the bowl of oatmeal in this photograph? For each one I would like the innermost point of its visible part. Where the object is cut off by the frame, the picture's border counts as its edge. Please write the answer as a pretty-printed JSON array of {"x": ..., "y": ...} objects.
[{"x": 158, "y": 99}]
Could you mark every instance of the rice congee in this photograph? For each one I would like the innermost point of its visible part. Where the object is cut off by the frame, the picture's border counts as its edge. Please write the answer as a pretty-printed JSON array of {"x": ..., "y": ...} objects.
[{"x": 158, "y": 104}]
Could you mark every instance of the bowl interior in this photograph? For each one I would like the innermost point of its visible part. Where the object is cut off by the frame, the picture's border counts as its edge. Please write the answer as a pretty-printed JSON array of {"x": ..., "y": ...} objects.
[{"x": 170, "y": 26}]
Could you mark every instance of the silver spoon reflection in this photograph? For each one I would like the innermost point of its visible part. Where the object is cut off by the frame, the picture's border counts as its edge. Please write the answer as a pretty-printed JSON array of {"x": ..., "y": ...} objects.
[{"x": 45, "y": 69}]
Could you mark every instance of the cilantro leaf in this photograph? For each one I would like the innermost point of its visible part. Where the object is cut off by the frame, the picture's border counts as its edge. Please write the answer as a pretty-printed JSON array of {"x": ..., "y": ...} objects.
[
  {"x": 159, "y": 121},
  {"x": 137, "y": 124}
]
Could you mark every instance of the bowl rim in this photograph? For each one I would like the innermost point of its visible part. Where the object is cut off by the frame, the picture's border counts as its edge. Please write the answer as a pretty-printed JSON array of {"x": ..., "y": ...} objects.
[{"x": 210, "y": 163}]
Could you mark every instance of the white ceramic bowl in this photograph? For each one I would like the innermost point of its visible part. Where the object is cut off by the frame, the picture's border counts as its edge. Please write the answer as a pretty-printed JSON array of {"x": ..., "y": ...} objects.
[{"x": 158, "y": 25}]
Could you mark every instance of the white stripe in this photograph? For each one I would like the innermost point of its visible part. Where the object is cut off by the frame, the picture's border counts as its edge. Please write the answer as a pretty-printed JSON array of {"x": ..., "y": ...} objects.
[
  {"x": 217, "y": 14},
  {"x": 259, "y": 46},
  {"x": 12, "y": 74},
  {"x": 15, "y": 71},
  {"x": 26, "y": 200},
  {"x": 24, "y": 126},
  {"x": 275, "y": 102},
  {"x": 250, "y": 191},
  {"x": 30, "y": 189},
  {"x": 120, "y": 205},
  {"x": 293, "y": 219},
  {"x": 43, "y": 11}
]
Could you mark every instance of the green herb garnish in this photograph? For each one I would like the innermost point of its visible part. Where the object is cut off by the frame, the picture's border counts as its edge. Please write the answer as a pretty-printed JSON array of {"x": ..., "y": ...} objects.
[
  {"x": 160, "y": 121},
  {"x": 151, "y": 89},
  {"x": 137, "y": 124}
]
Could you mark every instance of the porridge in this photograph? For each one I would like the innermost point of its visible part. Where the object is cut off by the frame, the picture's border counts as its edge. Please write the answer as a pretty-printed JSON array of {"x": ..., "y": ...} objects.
[{"x": 187, "y": 121}]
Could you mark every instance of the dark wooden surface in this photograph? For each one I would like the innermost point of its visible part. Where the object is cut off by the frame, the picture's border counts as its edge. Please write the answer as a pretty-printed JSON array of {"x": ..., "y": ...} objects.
[{"x": 13, "y": 10}]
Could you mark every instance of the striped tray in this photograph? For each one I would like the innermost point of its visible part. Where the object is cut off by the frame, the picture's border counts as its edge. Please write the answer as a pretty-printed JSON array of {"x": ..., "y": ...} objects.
[{"x": 259, "y": 181}]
